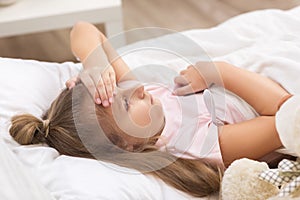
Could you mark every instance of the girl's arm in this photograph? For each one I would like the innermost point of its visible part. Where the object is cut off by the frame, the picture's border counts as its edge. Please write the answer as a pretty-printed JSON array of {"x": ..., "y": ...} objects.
[
  {"x": 85, "y": 37},
  {"x": 252, "y": 139},
  {"x": 257, "y": 137},
  {"x": 263, "y": 94},
  {"x": 92, "y": 48}
]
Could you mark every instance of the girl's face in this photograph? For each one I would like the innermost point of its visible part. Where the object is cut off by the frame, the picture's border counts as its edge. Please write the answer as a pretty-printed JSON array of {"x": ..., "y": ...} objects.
[{"x": 135, "y": 111}]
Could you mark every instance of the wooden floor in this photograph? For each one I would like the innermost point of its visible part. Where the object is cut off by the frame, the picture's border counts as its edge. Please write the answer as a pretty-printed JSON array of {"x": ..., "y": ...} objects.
[{"x": 177, "y": 15}]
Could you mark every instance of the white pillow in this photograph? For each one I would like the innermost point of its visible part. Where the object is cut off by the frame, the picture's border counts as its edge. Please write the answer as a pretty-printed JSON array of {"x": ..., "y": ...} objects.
[{"x": 29, "y": 86}]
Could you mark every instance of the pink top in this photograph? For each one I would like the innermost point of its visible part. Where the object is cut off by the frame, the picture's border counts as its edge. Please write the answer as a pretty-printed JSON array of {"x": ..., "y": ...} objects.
[{"x": 190, "y": 130}]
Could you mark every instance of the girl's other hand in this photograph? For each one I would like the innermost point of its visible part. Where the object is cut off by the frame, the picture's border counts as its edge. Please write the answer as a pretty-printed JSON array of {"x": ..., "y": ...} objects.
[{"x": 189, "y": 81}]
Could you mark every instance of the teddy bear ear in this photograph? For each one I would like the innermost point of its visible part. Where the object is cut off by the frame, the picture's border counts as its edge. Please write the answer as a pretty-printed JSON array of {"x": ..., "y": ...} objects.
[
  {"x": 287, "y": 121},
  {"x": 241, "y": 181}
]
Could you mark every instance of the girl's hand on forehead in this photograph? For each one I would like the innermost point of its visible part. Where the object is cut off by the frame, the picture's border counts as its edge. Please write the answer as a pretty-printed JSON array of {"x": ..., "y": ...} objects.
[
  {"x": 189, "y": 81},
  {"x": 101, "y": 83}
]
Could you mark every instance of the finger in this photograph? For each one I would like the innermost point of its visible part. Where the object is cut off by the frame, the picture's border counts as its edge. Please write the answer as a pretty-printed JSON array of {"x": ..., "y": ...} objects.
[
  {"x": 71, "y": 85},
  {"x": 181, "y": 80},
  {"x": 101, "y": 92},
  {"x": 182, "y": 72},
  {"x": 76, "y": 79},
  {"x": 72, "y": 82},
  {"x": 97, "y": 98},
  {"x": 108, "y": 87},
  {"x": 68, "y": 84},
  {"x": 112, "y": 77},
  {"x": 89, "y": 84},
  {"x": 181, "y": 91}
]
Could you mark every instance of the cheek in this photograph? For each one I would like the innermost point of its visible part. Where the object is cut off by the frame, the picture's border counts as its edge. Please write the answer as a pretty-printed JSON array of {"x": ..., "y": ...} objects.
[{"x": 139, "y": 113}]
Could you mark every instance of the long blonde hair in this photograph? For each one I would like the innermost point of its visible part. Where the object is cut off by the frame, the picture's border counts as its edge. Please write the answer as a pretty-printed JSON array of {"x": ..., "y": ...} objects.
[{"x": 197, "y": 177}]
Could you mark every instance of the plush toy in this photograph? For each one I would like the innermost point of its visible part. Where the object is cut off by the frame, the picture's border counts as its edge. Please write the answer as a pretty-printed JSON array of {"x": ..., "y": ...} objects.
[
  {"x": 241, "y": 181},
  {"x": 247, "y": 179}
]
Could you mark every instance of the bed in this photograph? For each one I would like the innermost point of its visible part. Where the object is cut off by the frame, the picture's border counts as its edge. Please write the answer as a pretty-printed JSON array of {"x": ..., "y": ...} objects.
[{"x": 267, "y": 42}]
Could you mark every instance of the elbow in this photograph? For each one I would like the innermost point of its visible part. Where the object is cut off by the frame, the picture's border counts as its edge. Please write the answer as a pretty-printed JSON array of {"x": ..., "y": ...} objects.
[
  {"x": 85, "y": 29},
  {"x": 78, "y": 27}
]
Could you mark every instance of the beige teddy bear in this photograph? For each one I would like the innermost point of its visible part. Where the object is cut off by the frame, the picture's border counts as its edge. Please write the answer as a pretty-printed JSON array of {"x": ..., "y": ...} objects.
[{"x": 241, "y": 181}]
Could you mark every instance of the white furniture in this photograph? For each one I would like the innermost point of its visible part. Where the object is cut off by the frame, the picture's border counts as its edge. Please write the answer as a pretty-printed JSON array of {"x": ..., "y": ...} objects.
[{"x": 27, "y": 16}]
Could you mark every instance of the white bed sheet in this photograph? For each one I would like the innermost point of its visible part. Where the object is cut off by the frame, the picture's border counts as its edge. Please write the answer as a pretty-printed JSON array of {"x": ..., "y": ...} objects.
[{"x": 266, "y": 41}]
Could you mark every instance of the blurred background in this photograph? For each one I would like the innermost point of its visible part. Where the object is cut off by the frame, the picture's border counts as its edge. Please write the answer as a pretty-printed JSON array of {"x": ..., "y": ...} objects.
[{"x": 177, "y": 15}]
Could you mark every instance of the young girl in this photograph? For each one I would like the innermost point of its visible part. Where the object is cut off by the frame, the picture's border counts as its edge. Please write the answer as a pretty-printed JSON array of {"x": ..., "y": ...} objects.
[{"x": 135, "y": 121}]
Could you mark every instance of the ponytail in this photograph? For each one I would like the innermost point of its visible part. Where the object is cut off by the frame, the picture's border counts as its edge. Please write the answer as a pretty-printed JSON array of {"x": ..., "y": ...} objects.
[
  {"x": 57, "y": 129},
  {"x": 28, "y": 129}
]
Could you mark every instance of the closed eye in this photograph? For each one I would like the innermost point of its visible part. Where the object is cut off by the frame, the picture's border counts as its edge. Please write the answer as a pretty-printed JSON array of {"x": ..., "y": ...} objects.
[{"x": 126, "y": 104}]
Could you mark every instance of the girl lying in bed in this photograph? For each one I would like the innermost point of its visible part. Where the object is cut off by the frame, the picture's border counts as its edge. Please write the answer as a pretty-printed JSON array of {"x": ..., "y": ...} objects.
[{"x": 144, "y": 127}]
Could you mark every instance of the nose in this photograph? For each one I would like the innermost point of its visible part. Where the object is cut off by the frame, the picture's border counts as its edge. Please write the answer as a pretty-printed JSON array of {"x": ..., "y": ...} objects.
[{"x": 139, "y": 91}]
